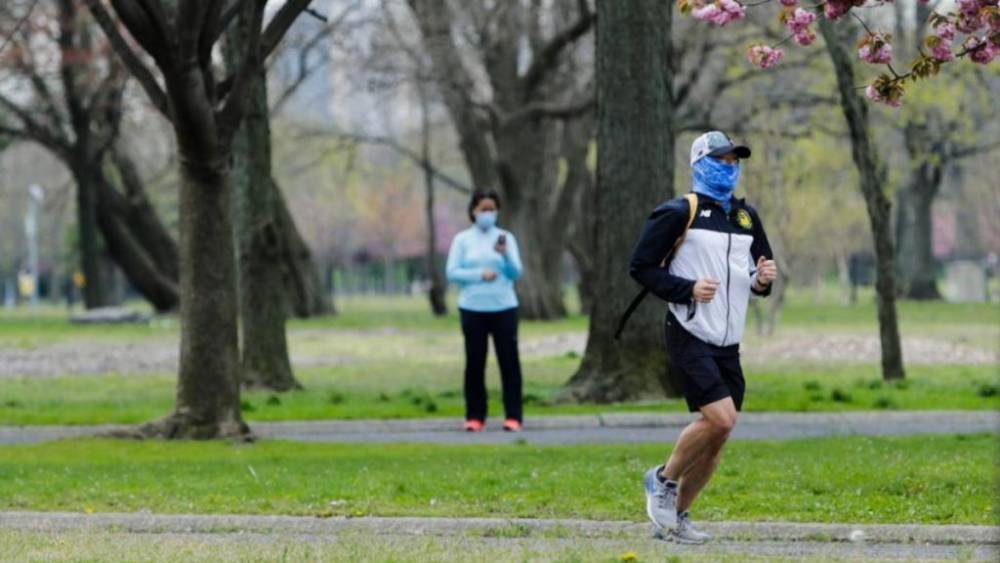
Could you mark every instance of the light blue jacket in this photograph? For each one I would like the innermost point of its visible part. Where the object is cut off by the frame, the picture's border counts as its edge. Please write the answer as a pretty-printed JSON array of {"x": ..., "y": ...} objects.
[{"x": 470, "y": 255}]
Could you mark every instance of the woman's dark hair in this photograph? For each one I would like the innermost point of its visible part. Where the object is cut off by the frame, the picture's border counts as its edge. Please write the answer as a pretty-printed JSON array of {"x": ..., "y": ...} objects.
[{"x": 480, "y": 195}]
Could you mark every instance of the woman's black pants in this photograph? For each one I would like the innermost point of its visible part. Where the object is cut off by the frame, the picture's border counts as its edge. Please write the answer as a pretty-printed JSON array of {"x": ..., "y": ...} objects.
[{"x": 476, "y": 327}]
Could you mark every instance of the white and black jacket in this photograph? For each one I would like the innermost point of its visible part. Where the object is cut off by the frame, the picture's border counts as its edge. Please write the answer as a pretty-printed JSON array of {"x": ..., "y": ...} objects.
[{"x": 718, "y": 245}]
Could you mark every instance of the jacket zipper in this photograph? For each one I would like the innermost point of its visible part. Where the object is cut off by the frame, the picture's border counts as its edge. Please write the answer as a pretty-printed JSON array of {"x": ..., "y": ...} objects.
[{"x": 729, "y": 246}]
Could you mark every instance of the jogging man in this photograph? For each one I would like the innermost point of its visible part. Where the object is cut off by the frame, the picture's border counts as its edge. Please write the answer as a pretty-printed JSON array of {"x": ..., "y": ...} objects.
[{"x": 723, "y": 257}]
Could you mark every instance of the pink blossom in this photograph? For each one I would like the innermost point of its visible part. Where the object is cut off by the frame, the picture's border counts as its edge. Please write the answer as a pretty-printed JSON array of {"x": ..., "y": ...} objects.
[
  {"x": 876, "y": 49},
  {"x": 834, "y": 9},
  {"x": 788, "y": 3},
  {"x": 799, "y": 20},
  {"x": 969, "y": 22},
  {"x": 874, "y": 95},
  {"x": 968, "y": 6},
  {"x": 720, "y": 12},
  {"x": 764, "y": 56},
  {"x": 707, "y": 13},
  {"x": 993, "y": 19},
  {"x": 985, "y": 54},
  {"x": 941, "y": 50},
  {"x": 805, "y": 37},
  {"x": 946, "y": 31},
  {"x": 971, "y": 43}
]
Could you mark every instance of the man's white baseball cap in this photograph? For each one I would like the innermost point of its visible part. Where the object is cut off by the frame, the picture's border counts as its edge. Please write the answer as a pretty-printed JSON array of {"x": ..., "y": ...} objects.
[{"x": 716, "y": 143}]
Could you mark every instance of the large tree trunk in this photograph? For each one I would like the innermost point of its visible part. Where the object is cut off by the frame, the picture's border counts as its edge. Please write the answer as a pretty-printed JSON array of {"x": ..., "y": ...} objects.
[
  {"x": 208, "y": 384},
  {"x": 90, "y": 252},
  {"x": 873, "y": 177},
  {"x": 635, "y": 166},
  {"x": 262, "y": 250}
]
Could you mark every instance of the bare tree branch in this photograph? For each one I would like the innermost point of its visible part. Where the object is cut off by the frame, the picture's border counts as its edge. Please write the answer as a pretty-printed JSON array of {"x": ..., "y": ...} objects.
[
  {"x": 17, "y": 26},
  {"x": 136, "y": 67},
  {"x": 34, "y": 129},
  {"x": 549, "y": 56},
  {"x": 972, "y": 150},
  {"x": 304, "y": 69},
  {"x": 548, "y": 110},
  {"x": 279, "y": 25},
  {"x": 139, "y": 17},
  {"x": 396, "y": 147},
  {"x": 231, "y": 113}
]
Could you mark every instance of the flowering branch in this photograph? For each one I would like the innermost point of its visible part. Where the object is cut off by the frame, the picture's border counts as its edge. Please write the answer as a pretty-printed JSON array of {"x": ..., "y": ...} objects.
[{"x": 979, "y": 20}]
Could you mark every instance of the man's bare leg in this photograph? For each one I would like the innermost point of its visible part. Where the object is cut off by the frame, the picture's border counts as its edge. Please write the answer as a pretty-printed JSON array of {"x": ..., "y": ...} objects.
[
  {"x": 702, "y": 439},
  {"x": 696, "y": 478}
]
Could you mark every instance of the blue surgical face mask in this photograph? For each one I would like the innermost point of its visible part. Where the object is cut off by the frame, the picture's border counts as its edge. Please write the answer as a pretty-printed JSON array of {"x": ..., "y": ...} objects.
[
  {"x": 485, "y": 220},
  {"x": 715, "y": 178}
]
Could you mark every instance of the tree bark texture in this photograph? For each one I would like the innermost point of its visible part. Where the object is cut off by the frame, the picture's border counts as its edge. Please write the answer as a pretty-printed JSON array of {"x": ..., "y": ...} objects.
[
  {"x": 873, "y": 178},
  {"x": 262, "y": 249},
  {"x": 635, "y": 166}
]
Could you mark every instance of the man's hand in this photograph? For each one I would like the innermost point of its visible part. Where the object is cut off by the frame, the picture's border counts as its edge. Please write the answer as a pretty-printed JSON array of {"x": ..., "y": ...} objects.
[
  {"x": 489, "y": 275},
  {"x": 767, "y": 272},
  {"x": 704, "y": 290}
]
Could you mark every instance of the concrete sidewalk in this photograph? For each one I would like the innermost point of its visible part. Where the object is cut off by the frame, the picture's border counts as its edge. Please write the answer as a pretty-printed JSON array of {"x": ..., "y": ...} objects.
[
  {"x": 443, "y": 539},
  {"x": 610, "y": 428},
  {"x": 507, "y": 527}
]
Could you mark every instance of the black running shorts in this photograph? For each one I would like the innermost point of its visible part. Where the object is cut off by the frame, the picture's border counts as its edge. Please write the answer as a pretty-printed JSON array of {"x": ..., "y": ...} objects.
[{"x": 707, "y": 373}]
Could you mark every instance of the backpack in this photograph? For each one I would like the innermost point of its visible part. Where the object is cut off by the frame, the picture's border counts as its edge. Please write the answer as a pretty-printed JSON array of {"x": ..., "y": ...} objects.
[{"x": 693, "y": 204}]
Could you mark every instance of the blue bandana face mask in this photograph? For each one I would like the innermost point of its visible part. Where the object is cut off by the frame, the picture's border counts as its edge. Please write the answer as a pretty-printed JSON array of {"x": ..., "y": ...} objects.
[{"x": 716, "y": 179}]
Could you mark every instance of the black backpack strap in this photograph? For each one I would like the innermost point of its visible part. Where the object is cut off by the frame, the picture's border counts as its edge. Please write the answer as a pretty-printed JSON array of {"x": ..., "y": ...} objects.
[
  {"x": 628, "y": 312},
  {"x": 692, "y": 200}
]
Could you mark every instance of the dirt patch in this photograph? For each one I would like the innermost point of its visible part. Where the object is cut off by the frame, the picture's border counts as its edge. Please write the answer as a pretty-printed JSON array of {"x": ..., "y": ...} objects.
[
  {"x": 804, "y": 348},
  {"x": 94, "y": 357}
]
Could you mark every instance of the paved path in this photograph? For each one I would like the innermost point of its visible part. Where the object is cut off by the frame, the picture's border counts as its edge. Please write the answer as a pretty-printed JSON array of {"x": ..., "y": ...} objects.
[
  {"x": 553, "y": 537},
  {"x": 616, "y": 428}
]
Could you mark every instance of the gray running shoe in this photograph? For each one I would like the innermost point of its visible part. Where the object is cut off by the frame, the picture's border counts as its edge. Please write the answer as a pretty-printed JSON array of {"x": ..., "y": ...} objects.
[
  {"x": 685, "y": 531},
  {"x": 661, "y": 500}
]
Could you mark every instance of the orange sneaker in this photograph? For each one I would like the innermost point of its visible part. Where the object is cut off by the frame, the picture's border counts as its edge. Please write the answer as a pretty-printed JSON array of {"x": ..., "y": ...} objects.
[
  {"x": 512, "y": 425},
  {"x": 473, "y": 425}
]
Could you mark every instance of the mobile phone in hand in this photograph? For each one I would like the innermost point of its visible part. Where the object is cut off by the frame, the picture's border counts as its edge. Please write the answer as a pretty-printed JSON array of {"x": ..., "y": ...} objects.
[{"x": 502, "y": 239}]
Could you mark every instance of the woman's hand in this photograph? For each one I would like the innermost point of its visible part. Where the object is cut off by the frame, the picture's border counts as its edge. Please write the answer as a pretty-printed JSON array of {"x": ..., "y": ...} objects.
[{"x": 489, "y": 275}]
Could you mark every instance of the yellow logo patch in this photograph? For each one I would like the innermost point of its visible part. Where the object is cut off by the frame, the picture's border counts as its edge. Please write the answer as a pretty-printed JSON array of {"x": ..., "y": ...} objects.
[{"x": 744, "y": 219}]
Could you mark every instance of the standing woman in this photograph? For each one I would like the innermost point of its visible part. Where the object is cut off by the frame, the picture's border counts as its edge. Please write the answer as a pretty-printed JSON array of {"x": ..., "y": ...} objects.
[{"x": 485, "y": 263}]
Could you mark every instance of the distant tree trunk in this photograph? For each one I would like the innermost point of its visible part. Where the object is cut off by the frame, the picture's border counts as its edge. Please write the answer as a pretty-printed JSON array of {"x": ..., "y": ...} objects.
[
  {"x": 131, "y": 256},
  {"x": 914, "y": 225},
  {"x": 518, "y": 157},
  {"x": 436, "y": 292},
  {"x": 87, "y": 228},
  {"x": 307, "y": 293},
  {"x": 142, "y": 218},
  {"x": 581, "y": 239},
  {"x": 925, "y": 137},
  {"x": 635, "y": 167},
  {"x": 262, "y": 255},
  {"x": 873, "y": 177}
]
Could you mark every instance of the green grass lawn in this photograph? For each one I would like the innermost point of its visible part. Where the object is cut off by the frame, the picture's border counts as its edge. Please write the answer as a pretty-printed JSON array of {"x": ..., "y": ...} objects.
[
  {"x": 388, "y": 358},
  {"x": 925, "y": 479},
  {"x": 421, "y": 389}
]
